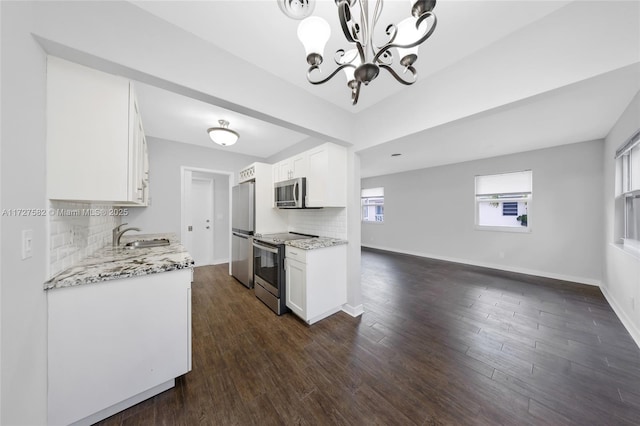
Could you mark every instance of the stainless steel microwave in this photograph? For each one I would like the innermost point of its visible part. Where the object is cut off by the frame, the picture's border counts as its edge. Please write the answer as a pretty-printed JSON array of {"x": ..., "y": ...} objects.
[{"x": 290, "y": 194}]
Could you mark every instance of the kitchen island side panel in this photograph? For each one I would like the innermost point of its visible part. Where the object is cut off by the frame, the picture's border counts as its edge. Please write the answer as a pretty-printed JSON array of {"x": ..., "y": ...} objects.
[{"x": 111, "y": 341}]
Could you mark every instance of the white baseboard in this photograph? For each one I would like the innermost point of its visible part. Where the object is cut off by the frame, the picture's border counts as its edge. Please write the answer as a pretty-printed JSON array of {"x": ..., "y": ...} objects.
[
  {"x": 127, "y": 403},
  {"x": 354, "y": 311},
  {"x": 220, "y": 261},
  {"x": 624, "y": 318},
  {"x": 545, "y": 274}
]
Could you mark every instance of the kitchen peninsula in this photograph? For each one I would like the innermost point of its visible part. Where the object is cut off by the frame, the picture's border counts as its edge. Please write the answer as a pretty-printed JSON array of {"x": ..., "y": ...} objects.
[{"x": 119, "y": 329}]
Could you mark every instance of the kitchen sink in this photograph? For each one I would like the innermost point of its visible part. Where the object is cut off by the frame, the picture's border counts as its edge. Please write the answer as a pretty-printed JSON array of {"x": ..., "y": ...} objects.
[{"x": 158, "y": 242}]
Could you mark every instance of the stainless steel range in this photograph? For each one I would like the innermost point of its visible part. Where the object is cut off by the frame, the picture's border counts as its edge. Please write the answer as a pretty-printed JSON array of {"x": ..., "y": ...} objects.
[{"x": 268, "y": 268}]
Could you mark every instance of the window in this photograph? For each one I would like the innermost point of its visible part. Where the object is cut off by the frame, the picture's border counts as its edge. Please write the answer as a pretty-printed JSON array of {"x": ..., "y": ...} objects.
[
  {"x": 627, "y": 206},
  {"x": 372, "y": 200},
  {"x": 503, "y": 201}
]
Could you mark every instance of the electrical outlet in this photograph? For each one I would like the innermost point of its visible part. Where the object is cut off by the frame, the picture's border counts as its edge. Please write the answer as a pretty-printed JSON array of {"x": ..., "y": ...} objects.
[
  {"x": 27, "y": 243},
  {"x": 501, "y": 255}
]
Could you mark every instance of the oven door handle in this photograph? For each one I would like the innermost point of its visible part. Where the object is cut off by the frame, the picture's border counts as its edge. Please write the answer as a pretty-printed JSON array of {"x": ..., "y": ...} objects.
[{"x": 266, "y": 248}]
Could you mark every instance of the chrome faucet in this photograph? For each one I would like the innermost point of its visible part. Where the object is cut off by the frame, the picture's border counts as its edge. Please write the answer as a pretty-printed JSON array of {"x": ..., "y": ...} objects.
[{"x": 116, "y": 234}]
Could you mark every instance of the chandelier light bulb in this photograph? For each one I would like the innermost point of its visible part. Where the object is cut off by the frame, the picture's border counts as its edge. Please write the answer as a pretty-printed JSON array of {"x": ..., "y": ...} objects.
[
  {"x": 314, "y": 32},
  {"x": 350, "y": 57},
  {"x": 407, "y": 33}
]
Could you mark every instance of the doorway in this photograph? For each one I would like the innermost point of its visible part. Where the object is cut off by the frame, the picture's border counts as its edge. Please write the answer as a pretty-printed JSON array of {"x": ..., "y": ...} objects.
[{"x": 204, "y": 215}]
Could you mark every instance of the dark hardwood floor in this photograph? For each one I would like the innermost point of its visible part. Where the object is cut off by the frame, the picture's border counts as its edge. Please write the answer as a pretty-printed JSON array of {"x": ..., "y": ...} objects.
[{"x": 439, "y": 343}]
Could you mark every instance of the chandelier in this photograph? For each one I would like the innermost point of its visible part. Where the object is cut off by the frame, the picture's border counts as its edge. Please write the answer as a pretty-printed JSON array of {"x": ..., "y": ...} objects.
[
  {"x": 223, "y": 135},
  {"x": 363, "y": 62}
]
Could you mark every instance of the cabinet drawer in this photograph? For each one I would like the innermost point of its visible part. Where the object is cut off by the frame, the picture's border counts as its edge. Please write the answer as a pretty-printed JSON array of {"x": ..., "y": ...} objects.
[{"x": 296, "y": 253}]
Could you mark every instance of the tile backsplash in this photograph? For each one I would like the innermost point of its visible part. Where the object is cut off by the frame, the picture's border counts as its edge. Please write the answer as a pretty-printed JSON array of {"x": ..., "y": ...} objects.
[
  {"x": 326, "y": 222},
  {"x": 77, "y": 230}
]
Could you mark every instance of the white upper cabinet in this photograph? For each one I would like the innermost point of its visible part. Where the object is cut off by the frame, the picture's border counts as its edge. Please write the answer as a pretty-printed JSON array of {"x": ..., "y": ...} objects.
[
  {"x": 325, "y": 168},
  {"x": 327, "y": 176},
  {"x": 138, "y": 156},
  {"x": 293, "y": 167},
  {"x": 96, "y": 148}
]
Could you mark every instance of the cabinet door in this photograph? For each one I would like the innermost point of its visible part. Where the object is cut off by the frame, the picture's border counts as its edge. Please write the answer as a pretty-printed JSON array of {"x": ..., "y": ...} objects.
[
  {"x": 138, "y": 162},
  {"x": 296, "y": 287},
  {"x": 127, "y": 336},
  {"x": 299, "y": 165},
  {"x": 327, "y": 176},
  {"x": 145, "y": 171},
  {"x": 317, "y": 177},
  {"x": 284, "y": 170},
  {"x": 87, "y": 133}
]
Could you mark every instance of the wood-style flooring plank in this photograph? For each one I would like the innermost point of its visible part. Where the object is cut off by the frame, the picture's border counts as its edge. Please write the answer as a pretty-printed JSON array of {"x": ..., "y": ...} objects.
[{"x": 440, "y": 343}]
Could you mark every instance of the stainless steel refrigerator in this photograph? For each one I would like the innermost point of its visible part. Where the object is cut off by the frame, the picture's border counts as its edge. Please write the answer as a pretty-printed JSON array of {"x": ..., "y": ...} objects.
[{"x": 242, "y": 226}]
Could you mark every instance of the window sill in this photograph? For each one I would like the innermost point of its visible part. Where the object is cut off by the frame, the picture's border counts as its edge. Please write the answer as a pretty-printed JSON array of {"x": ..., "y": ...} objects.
[
  {"x": 630, "y": 251},
  {"x": 631, "y": 248},
  {"x": 372, "y": 222},
  {"x": 512, "y": 229}
]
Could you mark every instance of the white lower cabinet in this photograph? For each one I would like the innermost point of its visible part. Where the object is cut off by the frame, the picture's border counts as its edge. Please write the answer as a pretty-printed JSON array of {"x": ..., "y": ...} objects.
[
  {"x": 116, "y": 343},
  {"x": 316, "y": 281}
]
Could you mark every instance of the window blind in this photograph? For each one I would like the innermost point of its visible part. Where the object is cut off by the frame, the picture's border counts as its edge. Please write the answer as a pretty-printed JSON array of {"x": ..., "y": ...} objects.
[
  {"x": 629, "y": 144},
  {"x": 372, "y": 192},
  {"x": 504, "y": 183}
]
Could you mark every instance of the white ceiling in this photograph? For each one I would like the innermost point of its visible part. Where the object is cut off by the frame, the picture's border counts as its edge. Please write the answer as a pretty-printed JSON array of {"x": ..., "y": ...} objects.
[
  {"x": 175, "y": 117},
  {"x": 577, "y": 113},
  {"x": 258, "y": 33}
]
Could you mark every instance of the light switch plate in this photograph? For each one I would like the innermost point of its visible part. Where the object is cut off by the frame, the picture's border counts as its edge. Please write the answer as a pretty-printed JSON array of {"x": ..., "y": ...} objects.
[{"x": 27, "y": 243}]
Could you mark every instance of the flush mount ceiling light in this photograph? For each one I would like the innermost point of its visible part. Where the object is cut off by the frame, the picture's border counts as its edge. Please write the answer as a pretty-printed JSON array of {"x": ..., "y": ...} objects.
[
  {"x": 223, "y": 135},
  {"x": 362, "y": 63}
]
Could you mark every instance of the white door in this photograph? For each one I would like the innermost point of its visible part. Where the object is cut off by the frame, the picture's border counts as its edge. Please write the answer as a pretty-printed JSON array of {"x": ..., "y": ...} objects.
[{"x": 200, "y": 208}]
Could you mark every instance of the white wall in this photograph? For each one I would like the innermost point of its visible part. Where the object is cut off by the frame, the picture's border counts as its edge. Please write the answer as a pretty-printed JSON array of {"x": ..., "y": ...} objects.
[
  {"x": 24, "y": 307},
  {"x": 165, "y": 160},
  {"x": 621, "y": 280},
  {"x": 430, "y": 212}
]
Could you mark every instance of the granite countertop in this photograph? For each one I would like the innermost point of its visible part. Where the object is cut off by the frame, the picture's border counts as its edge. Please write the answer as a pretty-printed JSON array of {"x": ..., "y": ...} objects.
[
  {"x": 112, "y": 263},
  {"x": 315, "y": 243}
]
